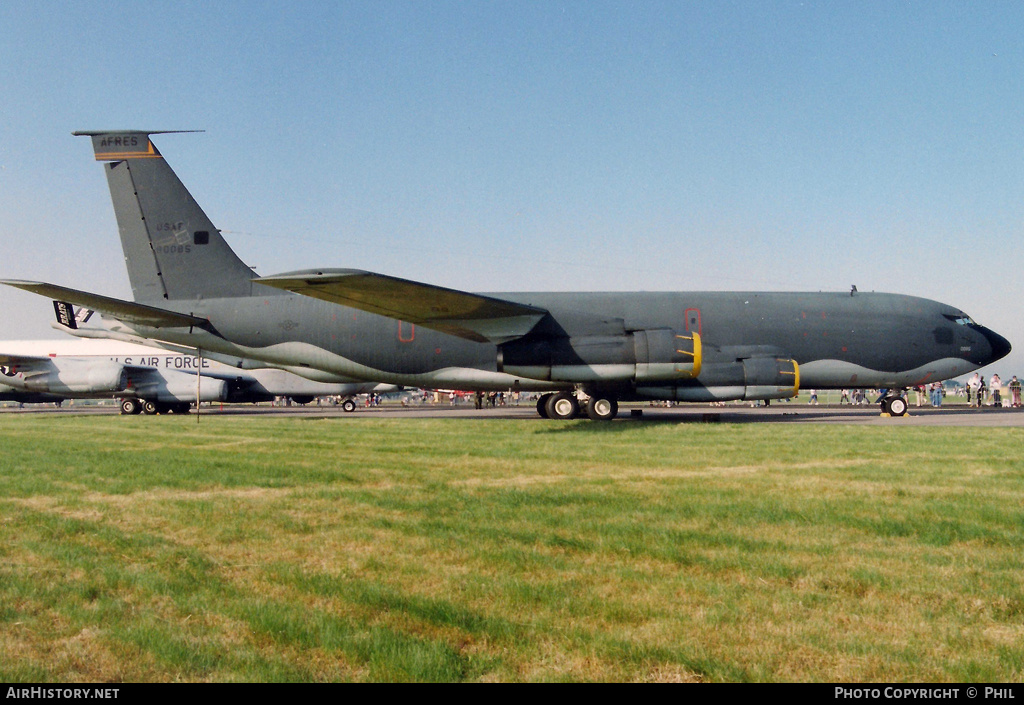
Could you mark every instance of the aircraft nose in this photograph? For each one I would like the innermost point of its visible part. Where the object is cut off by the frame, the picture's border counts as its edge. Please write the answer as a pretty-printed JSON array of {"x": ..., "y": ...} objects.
[{"x": 1000, "y": 346}]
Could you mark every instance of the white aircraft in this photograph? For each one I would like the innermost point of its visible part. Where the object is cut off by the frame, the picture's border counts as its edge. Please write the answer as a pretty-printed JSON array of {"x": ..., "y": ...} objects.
[{"x": 149, "y": 380}]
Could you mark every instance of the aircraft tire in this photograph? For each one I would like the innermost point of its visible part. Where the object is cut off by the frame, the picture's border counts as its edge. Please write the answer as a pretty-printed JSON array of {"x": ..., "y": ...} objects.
[
  {"x": 348, "y": 406},
  {"x": 563, "y": 406},
  {"x": 130, "y": 407},
  {"x": 542, "y": 405},
  {"x": 897, "y": 406},
  {"x": 151, "y": 408},
  {"x": 602, "y": 409}
]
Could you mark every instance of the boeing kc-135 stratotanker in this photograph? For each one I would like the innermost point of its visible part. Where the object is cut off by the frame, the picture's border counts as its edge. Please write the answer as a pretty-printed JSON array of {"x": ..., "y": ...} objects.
[{"x": 191, "y": 289}]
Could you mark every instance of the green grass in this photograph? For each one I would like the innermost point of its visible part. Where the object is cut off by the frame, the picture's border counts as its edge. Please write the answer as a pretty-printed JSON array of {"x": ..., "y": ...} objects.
[{"x": 248, "y": 549}]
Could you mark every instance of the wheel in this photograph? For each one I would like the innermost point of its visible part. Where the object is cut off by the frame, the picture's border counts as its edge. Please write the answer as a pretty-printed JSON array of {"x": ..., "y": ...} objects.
[
  {"x": 348, "y": 406},
  {"x": 897, "y": 406},
  {"x": 601, "y": 409},
  {"x": 151, "y": 408},
  {"x": 563, "y": 406},
  {"x": 130, "y": 407},
  {"x": 182, "y": 408},
  {"x": 542, "y": 405}
]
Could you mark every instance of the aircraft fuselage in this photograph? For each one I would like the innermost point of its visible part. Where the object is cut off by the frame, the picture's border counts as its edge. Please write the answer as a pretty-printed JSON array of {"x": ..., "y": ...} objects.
[{"x": 838, "y": 340}]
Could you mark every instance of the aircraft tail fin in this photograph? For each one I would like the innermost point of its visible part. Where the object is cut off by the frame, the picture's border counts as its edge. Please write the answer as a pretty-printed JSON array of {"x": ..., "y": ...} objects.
[
  {"x": 171, "y": 248},
  {"x": 68, "y": 318}
]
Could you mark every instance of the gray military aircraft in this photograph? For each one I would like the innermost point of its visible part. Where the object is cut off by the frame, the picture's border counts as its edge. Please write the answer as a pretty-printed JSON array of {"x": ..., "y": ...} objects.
[
  {"x": 149, "y": 380},
  {"x": 191, "y": 289}
]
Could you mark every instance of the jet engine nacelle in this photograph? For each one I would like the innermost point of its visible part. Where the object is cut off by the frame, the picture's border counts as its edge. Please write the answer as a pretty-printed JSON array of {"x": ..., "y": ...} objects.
[
  {"x": 173, "y": 386},
  {"x": 78, "y": 377},
  {"x": 748, "y": 379},
  {"x": 643, "y": 356}
]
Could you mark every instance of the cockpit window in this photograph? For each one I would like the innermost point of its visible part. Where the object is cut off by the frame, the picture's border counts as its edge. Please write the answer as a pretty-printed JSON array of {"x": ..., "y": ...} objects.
[{"x": 961, "y": 320}]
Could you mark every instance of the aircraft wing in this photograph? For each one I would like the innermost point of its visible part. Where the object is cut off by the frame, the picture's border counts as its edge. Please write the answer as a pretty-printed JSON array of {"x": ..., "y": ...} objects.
[
  {"x": 8, "y": 360},
  {"x": 471, "y": 316},
  {"x": 127, "y": 311}
]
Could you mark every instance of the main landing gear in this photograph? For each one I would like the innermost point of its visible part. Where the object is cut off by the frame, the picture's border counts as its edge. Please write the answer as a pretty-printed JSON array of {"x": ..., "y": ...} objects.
[
  {"x": 131, "y": 406},
  {"x": 565, "y": 405},
  {"x": 894, "y": 405}
]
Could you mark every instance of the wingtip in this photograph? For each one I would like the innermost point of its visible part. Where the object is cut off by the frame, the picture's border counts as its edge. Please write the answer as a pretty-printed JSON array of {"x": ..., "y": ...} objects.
[{"x": 21, "y": 283}]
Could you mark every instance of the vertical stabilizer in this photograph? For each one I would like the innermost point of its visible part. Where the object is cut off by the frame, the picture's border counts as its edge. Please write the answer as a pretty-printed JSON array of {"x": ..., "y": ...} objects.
[{"x": 172, "y": 250}]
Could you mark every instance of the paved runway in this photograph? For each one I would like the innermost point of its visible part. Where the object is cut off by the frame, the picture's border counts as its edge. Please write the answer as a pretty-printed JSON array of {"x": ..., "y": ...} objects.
[
  {"x": 693, "y": 413},
  {"x": 778, "y": 413}
]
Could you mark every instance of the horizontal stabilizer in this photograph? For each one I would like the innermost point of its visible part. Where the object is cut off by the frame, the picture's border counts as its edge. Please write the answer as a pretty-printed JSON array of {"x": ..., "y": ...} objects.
[
  {"x": 471, "y": 316},
  {"x": 117, "y": 145},
  {"x": 127, "y": 311}
]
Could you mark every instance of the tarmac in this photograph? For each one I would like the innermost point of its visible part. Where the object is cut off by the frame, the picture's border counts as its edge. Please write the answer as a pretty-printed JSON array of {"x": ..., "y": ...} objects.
[{"x": 780, "y": 412}]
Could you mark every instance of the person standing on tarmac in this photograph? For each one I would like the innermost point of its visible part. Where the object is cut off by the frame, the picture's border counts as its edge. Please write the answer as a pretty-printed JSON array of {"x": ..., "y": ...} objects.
[
  {"x": 974, "y": 390},
  {"x": 1015, "y": 392},
  {"x": 995, "y": 386}
]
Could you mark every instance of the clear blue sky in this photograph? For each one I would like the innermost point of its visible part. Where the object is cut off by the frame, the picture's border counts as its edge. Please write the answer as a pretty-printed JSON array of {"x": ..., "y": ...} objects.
[{"x": 498, "y": 146}]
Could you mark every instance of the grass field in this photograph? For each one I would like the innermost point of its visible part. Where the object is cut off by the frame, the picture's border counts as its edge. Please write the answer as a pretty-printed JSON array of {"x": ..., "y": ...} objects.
[{"x": 249, "y": 549}]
